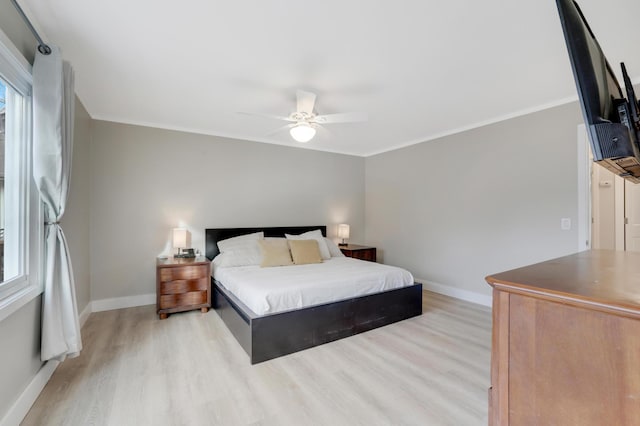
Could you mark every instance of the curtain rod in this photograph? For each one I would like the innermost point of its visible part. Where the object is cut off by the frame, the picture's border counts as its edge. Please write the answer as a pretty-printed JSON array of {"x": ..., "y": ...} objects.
[{"x": 42, "y": 47}]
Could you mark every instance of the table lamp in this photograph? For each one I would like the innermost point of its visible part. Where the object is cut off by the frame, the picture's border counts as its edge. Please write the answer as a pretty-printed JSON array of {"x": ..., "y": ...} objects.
[
  {"x": 343, "y": 232},
  {"x": 180, "y": 236}
]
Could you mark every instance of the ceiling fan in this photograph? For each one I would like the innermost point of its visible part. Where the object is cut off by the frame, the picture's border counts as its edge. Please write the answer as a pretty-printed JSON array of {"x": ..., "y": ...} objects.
[{"x": 304, "y": 121}]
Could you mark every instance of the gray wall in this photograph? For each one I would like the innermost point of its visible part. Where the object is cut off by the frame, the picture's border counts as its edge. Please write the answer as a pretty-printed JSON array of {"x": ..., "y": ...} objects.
[
  {"x": 459, "y": 208},
  {"x": 20, "y": 354},
  {"x": 75, "y": 221},
  {"x": 148, "y": 181},
  {"x": 20, "y": 332}
]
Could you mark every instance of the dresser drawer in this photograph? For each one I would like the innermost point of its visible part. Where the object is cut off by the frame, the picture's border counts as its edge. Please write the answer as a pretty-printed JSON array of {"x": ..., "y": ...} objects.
[
  {"x": 184, "y": 286},
  {"x": 168, "y": 301},
  {"x": 184, "y": 273}
]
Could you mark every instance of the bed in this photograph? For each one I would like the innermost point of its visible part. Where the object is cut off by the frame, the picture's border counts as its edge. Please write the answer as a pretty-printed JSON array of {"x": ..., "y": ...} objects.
[{"x": 272, "y": 335}]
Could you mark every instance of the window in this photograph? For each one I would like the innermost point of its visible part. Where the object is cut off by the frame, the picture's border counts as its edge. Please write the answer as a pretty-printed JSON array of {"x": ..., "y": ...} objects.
[
  {"x": 21, "y": 228},
  {"x": 12, "y": 189}
]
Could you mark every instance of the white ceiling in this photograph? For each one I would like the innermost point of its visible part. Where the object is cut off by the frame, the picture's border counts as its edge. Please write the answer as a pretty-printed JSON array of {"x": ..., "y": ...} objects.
[{"x": 419, "y": 68}]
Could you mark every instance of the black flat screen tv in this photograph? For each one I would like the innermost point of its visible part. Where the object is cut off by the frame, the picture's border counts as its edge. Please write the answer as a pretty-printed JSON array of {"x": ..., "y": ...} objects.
[{"x": 612, "y": 120}]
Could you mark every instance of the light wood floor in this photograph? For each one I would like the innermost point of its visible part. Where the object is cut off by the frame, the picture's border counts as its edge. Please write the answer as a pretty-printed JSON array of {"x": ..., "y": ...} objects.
[{"x": 189, "y": 370}]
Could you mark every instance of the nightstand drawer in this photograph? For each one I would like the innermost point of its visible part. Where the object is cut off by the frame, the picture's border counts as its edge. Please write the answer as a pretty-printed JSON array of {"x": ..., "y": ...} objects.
[
  {"x": 369, "y": 255},
  {"x": 184, "y": 273},
  {"x": 168, "y": 301},
  {"x": 184, "y": 286},
  {"x": 360, "y": 252}
]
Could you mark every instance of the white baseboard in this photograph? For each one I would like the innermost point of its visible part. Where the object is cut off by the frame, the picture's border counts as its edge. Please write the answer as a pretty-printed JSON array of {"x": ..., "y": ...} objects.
[
  {"x": 24, "y": 402},
  {"x": 123, "y": 302},
  {"x": 84, "y": 315},
  {"x": 447, "y": 290}
]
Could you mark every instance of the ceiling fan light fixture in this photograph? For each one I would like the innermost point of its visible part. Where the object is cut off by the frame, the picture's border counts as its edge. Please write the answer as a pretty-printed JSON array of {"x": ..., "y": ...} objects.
[{"x": 302, "y": 132}]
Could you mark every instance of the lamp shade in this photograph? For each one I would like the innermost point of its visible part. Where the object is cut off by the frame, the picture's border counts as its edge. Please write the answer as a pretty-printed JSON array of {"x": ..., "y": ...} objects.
[
  {"x": 302, "y": 132},
  {"x": 180, "y": 238},
  {"x": 343, "y": 231}
]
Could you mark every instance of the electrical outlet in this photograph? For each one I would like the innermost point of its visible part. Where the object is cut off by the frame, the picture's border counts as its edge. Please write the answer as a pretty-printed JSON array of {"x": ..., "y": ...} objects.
[{"x": 565, "y": 223}]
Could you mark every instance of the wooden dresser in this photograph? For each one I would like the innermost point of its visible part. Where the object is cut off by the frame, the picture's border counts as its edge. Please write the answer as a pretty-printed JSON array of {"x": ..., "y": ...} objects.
[
  {"x": 359, "y": 252},
  {"x": 182, "y": 285},
  {"x": 566, "y": 342}
]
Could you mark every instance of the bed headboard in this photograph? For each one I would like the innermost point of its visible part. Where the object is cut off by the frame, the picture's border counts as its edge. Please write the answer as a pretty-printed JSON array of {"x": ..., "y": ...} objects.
[{"x": 213, "y": 235}]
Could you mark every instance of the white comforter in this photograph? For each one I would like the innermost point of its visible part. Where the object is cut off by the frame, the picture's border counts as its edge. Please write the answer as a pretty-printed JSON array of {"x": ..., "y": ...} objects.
[{"x": 277, "y": 289}]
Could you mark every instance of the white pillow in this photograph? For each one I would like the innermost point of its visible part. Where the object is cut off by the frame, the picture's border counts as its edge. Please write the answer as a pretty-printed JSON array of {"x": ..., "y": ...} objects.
[
  {"x": 232, "y": 243},
  {"x": 222, "y": 260},
  {"x": 240, "y": 251},
  {"x": 334, "y": 250},
  {"x": 313, "y": 235}
]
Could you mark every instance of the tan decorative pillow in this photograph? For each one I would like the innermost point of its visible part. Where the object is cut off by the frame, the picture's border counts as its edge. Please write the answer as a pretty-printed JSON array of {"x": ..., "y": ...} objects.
[
  {"x": 313, "y": 235},
  {"x": 275, "y": 252},
  {"x": 305, "y": 251}
]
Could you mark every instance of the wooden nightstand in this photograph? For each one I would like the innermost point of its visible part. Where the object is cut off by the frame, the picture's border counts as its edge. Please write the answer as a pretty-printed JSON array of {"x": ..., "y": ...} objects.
[
  {"x": 359, "y": 252},
  {"x": 182, "y": 285}
]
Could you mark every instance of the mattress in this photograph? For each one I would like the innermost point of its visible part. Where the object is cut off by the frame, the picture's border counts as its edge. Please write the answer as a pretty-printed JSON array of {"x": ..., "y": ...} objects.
[{"x": 284, "y": 288}]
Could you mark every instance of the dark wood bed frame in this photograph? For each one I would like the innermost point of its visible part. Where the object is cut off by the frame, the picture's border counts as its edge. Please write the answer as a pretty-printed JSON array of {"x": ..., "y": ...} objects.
[{"x": 265, "y": 337}]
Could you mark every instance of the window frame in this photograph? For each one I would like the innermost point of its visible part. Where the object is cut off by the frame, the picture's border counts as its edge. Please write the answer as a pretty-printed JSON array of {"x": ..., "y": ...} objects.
[{"x": 15, "y": 72}]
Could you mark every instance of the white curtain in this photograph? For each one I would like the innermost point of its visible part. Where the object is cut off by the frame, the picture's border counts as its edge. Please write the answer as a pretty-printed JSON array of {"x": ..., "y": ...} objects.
[{"x": 53, "y": 114}]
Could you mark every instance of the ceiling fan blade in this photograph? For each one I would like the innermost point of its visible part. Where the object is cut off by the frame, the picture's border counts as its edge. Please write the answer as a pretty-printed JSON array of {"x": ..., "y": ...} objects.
[
  {"x": 326, "y": 133},
  {"x": 280, "y": 129},
  {"x": 272, "y": 116},
  {"x": 306, "y": 101},
  {"x": 347, "y": 117}
]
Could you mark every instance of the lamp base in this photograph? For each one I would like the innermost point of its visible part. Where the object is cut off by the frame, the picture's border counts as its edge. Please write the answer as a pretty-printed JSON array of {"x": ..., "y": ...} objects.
[{"x": 343, "y": 244}]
